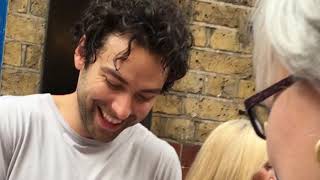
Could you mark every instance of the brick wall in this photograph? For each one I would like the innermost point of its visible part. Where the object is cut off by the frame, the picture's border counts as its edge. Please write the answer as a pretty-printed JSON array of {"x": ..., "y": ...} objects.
[
  {"x": 211, "y": 93},
  {"x": 24, "y": 41},
  {"x": 219, "y": 79}
]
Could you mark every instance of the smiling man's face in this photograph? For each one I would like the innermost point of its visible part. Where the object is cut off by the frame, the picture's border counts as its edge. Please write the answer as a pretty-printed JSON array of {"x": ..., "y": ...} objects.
[{"x": 111, "y": 100}]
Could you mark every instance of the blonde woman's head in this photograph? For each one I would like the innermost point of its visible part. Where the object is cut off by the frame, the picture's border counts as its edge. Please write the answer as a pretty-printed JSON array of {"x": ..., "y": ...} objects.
[{"x": 231, "y": 152}]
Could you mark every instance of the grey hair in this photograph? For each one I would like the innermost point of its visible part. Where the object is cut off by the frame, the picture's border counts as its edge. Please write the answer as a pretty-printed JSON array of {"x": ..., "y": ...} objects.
[{"x": 286, "y": 32}]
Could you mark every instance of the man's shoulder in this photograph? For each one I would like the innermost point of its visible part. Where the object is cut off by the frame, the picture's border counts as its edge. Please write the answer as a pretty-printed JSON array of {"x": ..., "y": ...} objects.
[
  {"x": 19, "y": 113},
  {"x": 25, "y": 98},
  {"x": 13, "y": 101},
  {"x": 160, "y": 156},
  {"x": 150, "y": 143},
  {"x": 145, "y": 136},
  {"x": 16, "y": 105}
]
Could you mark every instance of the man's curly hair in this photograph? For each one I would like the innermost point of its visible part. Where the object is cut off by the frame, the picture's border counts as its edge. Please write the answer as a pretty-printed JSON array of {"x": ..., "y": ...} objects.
[{"x": 157, "y": 25}]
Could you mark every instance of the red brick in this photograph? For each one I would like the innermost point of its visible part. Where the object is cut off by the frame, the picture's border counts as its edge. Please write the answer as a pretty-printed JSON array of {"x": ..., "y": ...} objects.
[
  {"x": 188, "y": 154},
  {"x": 176, "y": 147}
]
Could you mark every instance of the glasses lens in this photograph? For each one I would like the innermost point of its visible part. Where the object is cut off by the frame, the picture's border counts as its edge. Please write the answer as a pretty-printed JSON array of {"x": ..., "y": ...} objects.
[{"x": 261, "y": 115}]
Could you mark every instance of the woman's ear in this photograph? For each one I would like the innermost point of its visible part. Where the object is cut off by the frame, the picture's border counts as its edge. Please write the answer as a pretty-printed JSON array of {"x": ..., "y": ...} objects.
[{"x": 79, "y": 54}]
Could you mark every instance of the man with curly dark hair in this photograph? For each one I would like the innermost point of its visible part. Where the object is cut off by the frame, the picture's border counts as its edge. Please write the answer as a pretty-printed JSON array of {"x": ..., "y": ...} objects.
[{"x": 128, "y": 52}]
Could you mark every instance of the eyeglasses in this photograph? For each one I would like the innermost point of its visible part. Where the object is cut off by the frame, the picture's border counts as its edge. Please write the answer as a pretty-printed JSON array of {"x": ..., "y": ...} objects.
[{"x": 256, "y": 107}]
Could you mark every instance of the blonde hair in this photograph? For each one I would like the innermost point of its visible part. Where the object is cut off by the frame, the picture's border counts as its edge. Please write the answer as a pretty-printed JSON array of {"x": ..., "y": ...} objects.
[
  {"x": 231, "y": 152},
  {"x": 287, "y": 33}
]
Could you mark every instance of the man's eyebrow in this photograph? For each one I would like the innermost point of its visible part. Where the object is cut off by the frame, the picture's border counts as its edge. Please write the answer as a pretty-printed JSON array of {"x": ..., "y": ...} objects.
[
  {"x": 153, "y": 91},
  {"x": 115, "y": 74}
]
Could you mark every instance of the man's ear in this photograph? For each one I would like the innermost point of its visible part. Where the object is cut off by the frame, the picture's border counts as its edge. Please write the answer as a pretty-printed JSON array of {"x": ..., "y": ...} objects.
[{"x": 79, "y": 58}]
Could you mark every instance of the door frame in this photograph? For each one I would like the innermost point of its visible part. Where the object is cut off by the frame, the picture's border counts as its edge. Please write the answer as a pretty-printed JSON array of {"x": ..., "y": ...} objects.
[{"x": 3, "y": 19}]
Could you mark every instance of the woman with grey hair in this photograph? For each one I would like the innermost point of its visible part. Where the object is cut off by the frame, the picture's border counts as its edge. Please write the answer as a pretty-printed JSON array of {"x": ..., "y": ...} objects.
[{"x": 287, "y": 64}]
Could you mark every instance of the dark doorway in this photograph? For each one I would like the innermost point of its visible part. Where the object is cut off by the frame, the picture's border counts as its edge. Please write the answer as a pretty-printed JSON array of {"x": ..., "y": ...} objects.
[{"x": 59, "y": 74}]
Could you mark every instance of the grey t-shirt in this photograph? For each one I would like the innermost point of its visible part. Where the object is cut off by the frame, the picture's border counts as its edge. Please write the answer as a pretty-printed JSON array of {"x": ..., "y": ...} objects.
[{"x": 36, "y": 143}]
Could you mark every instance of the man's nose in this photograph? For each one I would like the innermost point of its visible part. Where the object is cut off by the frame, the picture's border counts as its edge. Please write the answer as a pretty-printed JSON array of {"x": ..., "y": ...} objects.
[{"x": 122, "y": 106}]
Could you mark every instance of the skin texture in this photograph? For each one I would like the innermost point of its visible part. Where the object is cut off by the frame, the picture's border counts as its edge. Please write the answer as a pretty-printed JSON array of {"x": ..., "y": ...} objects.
[
  {"x": 293, "y": 130},
  {"x": 124, "y": 96},
  {"x": 265, "y": 173}
]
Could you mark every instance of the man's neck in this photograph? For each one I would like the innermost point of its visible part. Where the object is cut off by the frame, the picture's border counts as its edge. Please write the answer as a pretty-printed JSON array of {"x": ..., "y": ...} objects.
[{"x": 69, "y": 109}]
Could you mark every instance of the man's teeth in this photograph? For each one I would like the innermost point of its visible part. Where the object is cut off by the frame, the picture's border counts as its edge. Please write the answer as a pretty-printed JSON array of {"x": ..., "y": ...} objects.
[{"x": 110, "y": 119}]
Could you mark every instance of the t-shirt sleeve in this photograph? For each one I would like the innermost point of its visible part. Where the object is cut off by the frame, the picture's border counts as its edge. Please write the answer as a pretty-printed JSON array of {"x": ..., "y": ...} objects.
[
  {"x": 169, "y": 167},
  {"x": 8, "y": 133}
]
